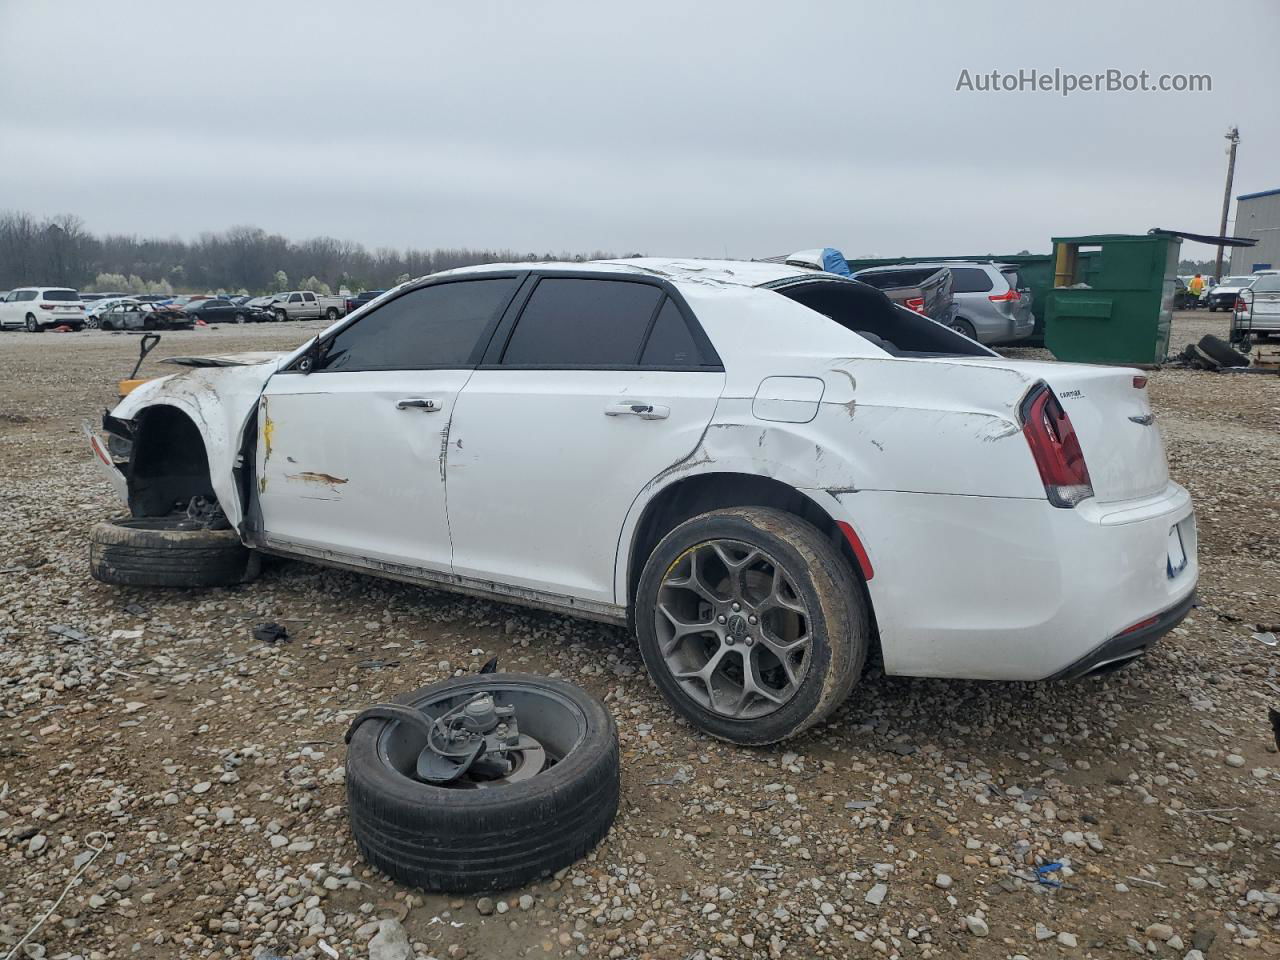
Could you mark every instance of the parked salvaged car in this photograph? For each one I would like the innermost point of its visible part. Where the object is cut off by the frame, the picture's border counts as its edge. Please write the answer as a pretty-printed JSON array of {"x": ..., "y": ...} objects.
[
  {"x": 139, "y": 315},
  {"x": 39, "y": 308},
  {"x": 1223, "y": 295},
  {"x": 768, "y": 472},
  {"x": 1257, "y": 308},
  {"x": 220, "y": 310}
]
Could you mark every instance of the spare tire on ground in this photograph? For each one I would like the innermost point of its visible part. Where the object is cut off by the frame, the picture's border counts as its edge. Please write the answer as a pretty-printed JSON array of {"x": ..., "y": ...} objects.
[
  {"x": 1222, "y": 352},
  {"x": 432, "y": 805},
  {"x": 166, "y": 552}
]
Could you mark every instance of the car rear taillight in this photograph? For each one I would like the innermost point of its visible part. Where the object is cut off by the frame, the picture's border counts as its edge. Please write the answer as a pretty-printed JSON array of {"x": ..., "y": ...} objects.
[
  {"x": 915, "y": 303},
  {"x": 1056, "y": 448},
  {"x": 46, "y": 306},
  {"x": 1139, "y": 383},
  {"x": 1241, "y": 305},
  {"x": 1009, "y": 296}
]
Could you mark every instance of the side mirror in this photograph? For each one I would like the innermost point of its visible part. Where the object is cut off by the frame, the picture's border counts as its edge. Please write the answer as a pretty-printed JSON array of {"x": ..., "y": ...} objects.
[{"x": 313, "y": 356}]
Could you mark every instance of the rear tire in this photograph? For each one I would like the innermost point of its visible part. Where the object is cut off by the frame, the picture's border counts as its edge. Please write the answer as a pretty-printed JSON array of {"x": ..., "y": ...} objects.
[
  {"x": 836, "y": 624},
  {"x": 331, "y": 314},
  {"x": 964, "y": 327},
  {"x": 159, "y": 552}
]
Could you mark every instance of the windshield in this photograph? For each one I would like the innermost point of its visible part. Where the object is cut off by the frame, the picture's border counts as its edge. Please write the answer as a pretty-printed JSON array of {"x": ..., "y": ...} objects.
[
  {"x": 62, "y": 296},
  {"x": 1237, "y": 281}
]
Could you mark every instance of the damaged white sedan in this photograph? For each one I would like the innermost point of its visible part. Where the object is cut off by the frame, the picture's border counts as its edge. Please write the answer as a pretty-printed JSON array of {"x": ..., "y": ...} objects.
[{"x": 769, "y": 473}]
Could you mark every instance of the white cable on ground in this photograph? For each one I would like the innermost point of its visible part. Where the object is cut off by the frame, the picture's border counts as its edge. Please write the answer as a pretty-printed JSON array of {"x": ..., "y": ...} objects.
[{"x": 65, "y": 890}]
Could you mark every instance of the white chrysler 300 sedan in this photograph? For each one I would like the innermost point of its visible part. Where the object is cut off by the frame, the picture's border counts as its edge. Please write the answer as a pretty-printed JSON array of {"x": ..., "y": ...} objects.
[{"x": 769, "y": 473}]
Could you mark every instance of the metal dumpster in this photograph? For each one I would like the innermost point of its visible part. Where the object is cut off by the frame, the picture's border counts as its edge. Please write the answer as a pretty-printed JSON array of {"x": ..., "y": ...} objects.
[{"x": 1112, "y": 297}]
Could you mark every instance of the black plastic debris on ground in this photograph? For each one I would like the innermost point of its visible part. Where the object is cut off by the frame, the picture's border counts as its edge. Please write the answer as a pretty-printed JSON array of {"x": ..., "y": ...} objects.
[{"x": 270, "y": 633}]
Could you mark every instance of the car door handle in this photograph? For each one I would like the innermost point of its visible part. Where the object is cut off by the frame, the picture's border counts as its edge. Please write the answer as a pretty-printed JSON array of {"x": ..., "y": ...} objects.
[
  {"x": 645, "y": 411},
  {"x": 418, "y": 403}
]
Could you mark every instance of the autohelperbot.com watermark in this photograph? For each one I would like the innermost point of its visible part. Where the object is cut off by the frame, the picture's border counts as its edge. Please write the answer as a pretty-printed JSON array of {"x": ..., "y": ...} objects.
[{"x": 1065, "y": 82}]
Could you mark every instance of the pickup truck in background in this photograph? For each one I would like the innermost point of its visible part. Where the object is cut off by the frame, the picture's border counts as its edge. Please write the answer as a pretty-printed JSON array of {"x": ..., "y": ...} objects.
[
  {"x": 925, "y": 290},
  {"x": 305, "y": 305},
  {"x": 360, "y": 299}
]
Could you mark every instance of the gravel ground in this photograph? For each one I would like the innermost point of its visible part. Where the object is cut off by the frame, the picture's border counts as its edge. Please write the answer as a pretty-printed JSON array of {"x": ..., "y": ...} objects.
[{"x": 192, "y": 777}]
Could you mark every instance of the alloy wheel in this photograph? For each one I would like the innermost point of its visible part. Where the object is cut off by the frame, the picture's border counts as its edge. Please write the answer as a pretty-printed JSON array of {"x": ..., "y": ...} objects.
[{"x": 733, "y": 629}]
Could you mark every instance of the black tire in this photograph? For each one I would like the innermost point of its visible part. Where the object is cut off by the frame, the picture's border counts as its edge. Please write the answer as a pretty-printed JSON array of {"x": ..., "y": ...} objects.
[
  {"x": 33, "y": 325},
  {"x": 840, "y": 628},
  {"x": 281, "y": 316},
  {"x": 1222, "y": 352},
  {"x": 331, "y": 314},
  {"x": 964, "y": 327},
  {"x": 239, "y": 318},
  {"x": 460, "y": 840},
  {"x": 93, "y": 323},
  {"x": 159, "y": 552}
]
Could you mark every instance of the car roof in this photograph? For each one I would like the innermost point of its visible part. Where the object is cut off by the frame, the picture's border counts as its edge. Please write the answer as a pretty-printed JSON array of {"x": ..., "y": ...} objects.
[{"x": 728, "y": 273}]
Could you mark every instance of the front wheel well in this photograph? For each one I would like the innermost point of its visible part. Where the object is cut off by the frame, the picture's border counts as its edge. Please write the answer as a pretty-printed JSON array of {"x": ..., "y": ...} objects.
[
  {"x": 718, "y": 491},
  {"x": 169, "y": 464}
]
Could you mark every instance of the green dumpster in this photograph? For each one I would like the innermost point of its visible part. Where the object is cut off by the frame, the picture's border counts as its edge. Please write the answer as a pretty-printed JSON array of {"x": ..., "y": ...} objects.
[{"x": 1112, "y": 298}]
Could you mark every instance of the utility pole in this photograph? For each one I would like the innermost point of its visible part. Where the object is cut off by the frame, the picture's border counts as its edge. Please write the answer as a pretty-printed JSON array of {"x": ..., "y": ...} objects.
[{"x": 1233, "y": 137}]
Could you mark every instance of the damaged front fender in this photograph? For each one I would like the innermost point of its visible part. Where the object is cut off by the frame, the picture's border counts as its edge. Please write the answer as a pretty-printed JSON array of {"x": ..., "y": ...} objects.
[{"x": 220, "y": 400}]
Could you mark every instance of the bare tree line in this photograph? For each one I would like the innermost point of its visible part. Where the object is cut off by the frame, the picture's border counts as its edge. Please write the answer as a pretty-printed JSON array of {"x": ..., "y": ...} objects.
[{"x": 59, "y": 250}]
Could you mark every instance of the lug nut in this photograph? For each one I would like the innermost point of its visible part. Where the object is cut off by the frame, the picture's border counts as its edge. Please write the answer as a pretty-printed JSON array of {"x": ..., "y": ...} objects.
[
  {"x": 748, "y": 641},
  {"x": 728, "y": 641},
  {"x": 737, "y": 606},
  {"x": 720, "y": 619},
  {"x": 752, "y": 619}
]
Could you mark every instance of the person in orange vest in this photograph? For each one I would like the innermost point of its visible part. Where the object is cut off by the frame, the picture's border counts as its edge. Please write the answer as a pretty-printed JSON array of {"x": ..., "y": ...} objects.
[{"x": 1196, "y": 286}]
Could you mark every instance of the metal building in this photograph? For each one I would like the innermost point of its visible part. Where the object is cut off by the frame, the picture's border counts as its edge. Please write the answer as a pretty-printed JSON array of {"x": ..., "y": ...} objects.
[{"x": 1257, "y": 216}]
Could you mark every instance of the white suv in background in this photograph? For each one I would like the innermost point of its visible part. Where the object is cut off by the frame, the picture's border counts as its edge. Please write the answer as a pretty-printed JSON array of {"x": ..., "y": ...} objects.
[{"x": 37, "y": 308}]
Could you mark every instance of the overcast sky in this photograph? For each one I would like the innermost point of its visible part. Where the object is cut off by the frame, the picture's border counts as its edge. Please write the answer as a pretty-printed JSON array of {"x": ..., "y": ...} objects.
[{"x": 670, "y": 128}]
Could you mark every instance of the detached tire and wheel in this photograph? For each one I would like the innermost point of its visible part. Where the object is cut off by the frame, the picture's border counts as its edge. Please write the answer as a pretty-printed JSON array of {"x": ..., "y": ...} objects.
[
  {"x": 751, "y": 624},
  {"x": 486, "y": 833},
  {"x": 167, "y": 552},
  {"x": 1222, "y": 352}
]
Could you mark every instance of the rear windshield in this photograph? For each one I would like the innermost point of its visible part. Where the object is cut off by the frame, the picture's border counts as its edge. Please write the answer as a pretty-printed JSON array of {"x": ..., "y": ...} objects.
[
  {"x": 1267, "y": 285},
  {"x": 873, "y": 316},
  {"x": 61, "y": 295},
  {"x": 1012, "y": 277}
]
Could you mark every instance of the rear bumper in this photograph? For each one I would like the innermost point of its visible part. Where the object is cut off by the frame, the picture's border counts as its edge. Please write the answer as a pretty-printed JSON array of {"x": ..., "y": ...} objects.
[
  {"x": 1127, "y": 646},
  {"x": 995, "y": 588}
]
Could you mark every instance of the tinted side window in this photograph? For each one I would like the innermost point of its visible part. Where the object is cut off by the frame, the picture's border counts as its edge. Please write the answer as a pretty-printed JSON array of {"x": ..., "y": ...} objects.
[
  {"x": 670, "y": 343},
  {"x": 575, "y": 322},
  {"x": 429, "y": 327},
  {"x": 970, "y": 280}
]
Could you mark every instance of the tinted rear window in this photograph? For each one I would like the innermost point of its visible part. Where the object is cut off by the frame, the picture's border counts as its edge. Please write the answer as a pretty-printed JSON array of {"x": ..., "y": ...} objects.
[
  {"x": 577, "y": 322},
  {"x": 970, "y": 280},
  {"x": 60, "y": 295}
]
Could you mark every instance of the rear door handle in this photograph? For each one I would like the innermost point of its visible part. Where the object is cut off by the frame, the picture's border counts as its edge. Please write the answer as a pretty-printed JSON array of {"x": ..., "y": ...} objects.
[
  {"x": 645, "y": 411},
  {"x": 418, "y": 403}
]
